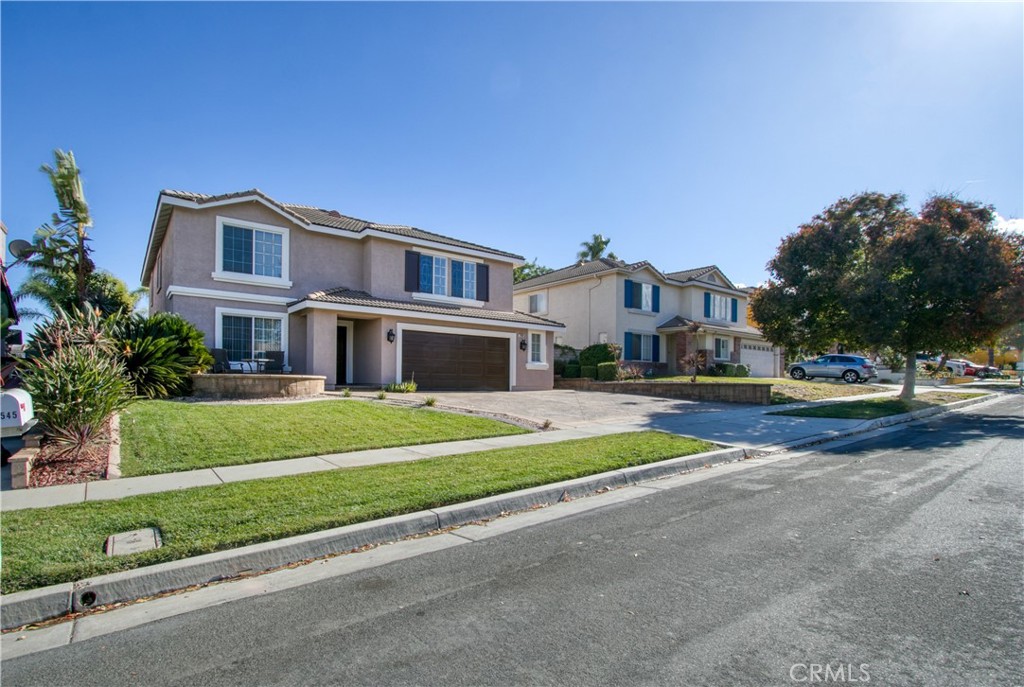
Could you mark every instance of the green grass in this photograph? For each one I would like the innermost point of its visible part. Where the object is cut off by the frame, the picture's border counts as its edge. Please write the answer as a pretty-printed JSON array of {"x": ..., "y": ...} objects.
[
  {"x": 786, "y": 390},
  {"x": 164, "y": 436},
  {"x": 871, "y": 408},
  {"x": 65, "y": 543}
]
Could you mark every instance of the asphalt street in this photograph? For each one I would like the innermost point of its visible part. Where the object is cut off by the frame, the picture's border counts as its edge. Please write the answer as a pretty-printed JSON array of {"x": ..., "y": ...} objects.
[{"x": 897, "y": 560}]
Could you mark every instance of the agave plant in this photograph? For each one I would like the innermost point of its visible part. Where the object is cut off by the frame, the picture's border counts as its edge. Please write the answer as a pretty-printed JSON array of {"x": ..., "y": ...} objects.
[{"x": 75, "y": 377}]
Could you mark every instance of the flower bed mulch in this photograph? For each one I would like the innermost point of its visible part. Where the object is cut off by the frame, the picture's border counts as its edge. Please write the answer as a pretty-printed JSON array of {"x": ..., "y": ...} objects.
[{"x": 90, "y": 463}]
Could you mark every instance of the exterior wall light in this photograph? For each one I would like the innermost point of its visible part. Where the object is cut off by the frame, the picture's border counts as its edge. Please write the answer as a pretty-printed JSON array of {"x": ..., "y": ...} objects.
[{"x": 391, "y": 336}]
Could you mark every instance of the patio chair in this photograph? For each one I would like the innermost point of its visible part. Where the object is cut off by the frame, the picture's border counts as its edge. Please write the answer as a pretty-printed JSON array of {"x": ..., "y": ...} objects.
[
  {"x": 275, "y": 362},
  {"x": 220, "y": 361}
]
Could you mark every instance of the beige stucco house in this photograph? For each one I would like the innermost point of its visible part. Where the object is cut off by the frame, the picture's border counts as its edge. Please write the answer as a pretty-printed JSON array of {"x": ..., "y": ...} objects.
[
  {"x": 355, "y": 301},
  {"x": 657, "y": 317}
]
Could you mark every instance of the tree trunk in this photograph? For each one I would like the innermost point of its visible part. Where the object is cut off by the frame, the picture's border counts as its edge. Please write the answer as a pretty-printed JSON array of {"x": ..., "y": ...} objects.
[
  {"x": 991, "y": 357},
  {"x": 80, "y": 280},
  {"x": 909, "y": 376}
]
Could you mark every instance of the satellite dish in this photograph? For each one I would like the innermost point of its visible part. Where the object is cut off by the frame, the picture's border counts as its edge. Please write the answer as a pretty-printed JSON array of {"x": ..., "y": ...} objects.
[{"x": 20, "y": 248}]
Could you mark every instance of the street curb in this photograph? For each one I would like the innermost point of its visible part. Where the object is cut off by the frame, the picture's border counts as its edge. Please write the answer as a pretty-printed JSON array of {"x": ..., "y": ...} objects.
[
  {"x": 37, "y": 605},
  {"x": 871, "y": 425}
]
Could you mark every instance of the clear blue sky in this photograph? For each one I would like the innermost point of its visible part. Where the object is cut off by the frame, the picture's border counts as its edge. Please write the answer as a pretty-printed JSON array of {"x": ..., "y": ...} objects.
[{"x": 689, "y": 133}]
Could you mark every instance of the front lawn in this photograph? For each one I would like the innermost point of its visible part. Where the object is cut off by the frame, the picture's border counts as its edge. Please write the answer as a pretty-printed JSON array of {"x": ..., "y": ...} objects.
[
  {"x": 65, "y": 543},
  {"x": 872, "y": 408},
  {"x": 786, "y": 390},
  {"x": 165, "y": 436}
]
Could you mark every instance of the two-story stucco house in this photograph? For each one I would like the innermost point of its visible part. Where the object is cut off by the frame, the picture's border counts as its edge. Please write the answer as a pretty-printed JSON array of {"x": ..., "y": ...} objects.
[
  {"x": 657, "y": 317},
  {"x": 355, "y": 301}
]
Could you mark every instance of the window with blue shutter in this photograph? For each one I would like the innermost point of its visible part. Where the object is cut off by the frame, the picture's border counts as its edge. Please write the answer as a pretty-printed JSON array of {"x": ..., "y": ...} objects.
[
  {"x": 707, "y": 304},
  {"x": 629, "y": 293},
  {"x": 657, "y": 299},
  {"x": 627, "y": 346},
  {"x": 735, "y": 310},
  {"x": 655, "y": 348}
]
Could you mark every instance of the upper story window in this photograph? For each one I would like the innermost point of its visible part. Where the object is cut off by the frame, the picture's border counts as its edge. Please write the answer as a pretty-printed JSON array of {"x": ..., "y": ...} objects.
[
  {"x": 445, "y": 277},
  {"x": 251, "y": 253},
  {"x": 539, "y": 303},
  {"x": 640, "y": 296},
  {"x": 718, "y": 307}
]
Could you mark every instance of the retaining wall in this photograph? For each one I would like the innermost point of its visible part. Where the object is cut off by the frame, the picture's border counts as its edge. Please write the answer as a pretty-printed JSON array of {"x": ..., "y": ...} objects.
[
  {"x": 225, "y": 386},
  {"x": 753, "y": 394}
]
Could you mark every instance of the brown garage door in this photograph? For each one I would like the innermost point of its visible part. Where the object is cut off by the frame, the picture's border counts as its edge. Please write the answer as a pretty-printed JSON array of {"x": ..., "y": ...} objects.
[{"x": 454, "y": 361}]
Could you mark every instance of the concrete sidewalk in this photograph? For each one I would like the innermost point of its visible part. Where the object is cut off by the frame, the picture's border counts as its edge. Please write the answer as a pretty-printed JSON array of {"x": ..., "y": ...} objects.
[{"x": 105, "y": 490}]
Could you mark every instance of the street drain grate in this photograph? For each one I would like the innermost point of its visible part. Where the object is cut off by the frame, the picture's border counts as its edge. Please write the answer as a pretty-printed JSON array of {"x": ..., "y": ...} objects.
[{"x": 136, "y": 541}]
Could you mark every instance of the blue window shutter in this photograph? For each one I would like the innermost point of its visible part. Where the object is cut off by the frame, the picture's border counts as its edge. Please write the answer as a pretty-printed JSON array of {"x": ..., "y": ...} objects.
[
  {"x": 483, "y": 282},
  {"x": 707, "y": 304},
  {"x": 655, "y": 347},
  {"x": 629, "y": 293},
  {"x": 656, "y": 298},
  {"x": 627, "y": 346},
  {"x": 412, "y": 271},
  {"x": 735, "y": 310}
]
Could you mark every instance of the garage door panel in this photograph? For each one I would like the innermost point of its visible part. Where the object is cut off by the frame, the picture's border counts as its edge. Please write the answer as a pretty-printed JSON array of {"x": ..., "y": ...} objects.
[{"x": 455, "y": 361}]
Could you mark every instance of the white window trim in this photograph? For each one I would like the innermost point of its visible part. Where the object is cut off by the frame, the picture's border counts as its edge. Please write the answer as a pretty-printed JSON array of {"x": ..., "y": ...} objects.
[
  {"x": 218, "y": 331},
  {"x": 728, "y": 346},
  {"x": 447, "y": 298},
  {"x": 402, "y": 327},
  {"x": 419, "y": 296},
  {"x": 542, "y": 364},
  {"x": 219, "y": 274},
  {"x": 728, "y": 308},
  {"x": 542, "y": 303}
]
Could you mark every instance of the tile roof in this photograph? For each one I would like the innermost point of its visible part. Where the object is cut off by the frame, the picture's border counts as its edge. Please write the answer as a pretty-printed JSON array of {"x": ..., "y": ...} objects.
[
  {"x": 581, "y": 269},
  {"x": 344, "y": 296},
  {"x": 687, "y": 275},
  {"x": 306, "y": 214}
]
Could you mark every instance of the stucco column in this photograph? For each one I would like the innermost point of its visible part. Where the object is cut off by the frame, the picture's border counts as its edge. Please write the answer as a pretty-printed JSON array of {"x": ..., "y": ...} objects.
[{"x": 322, "y": 345}]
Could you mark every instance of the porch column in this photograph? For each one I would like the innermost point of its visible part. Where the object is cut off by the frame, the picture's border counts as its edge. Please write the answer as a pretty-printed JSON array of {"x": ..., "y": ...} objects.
[{"x": 322, "y": 345}]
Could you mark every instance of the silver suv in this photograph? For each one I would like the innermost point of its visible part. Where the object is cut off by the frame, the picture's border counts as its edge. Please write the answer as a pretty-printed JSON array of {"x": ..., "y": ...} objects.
[{"x": 849, "y": 368}]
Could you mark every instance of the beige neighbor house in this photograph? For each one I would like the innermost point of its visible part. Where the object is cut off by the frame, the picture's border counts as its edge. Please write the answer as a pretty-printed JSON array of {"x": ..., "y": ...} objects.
[
  {"x": 656, "y": 317},
  {"x": 355, "y": 301}
]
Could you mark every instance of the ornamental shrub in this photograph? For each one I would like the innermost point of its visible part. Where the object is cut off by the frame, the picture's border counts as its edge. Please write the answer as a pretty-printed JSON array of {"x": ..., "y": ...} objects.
[
  {"x": 571, "y": 372},
  {"x": 588, "y": 371},
  {"x": 75, "y": 377},
  {"x": 598, "y": 353},
  {"x": 159, "y": 352},
  {"x": 607, "y": 372},
  {"x": 741, "y": 370}
]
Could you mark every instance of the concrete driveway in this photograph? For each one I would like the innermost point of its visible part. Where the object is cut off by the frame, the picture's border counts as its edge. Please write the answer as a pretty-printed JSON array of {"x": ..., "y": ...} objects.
[
  {"x": 729, "y": 424},
  {"x": 566, "y": 408}
]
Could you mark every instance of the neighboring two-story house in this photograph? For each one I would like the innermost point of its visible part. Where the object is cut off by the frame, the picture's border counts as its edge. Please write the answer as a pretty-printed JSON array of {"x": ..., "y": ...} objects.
[
  {"x": 355, "y": 301},
  {"x": 657, "y": 317}
]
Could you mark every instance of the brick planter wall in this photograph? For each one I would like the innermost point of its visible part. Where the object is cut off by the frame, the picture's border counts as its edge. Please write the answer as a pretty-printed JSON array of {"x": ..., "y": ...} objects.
[
  {"x": 227, "y": 386},
  {"x": 753, "y": 394}
]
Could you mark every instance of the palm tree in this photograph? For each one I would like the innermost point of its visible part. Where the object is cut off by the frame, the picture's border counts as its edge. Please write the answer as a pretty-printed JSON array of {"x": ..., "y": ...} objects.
[
  {"x": 594, "y": 249},
  {"x": 61, "y": 270},
  {"x": 67, "y": 237}
]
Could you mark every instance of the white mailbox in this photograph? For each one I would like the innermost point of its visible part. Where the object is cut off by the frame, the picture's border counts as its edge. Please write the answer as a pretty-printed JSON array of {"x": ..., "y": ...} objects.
[{"x": 16, "y": 414}]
